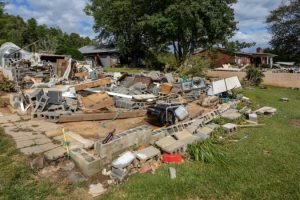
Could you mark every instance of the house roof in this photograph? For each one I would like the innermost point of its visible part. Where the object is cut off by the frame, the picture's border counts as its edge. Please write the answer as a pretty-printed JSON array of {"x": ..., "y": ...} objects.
[
  {"x": 90, "y": 49},
  {"x": 240, "y": 53},
  {"x": 263, "y": 54}
]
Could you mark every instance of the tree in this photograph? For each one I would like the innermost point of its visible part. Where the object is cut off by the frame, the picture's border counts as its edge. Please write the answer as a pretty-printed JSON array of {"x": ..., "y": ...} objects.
[
  {"x": 142, "y": 28},
  {"x": 191, "y": 24},
  {"x": 284, "y": 25}
]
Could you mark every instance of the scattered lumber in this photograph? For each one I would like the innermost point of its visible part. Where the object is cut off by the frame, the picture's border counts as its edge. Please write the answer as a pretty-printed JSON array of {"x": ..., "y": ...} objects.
[
  {"x": 97, "y": 101},
  {"x": 101, "y": 116},
  {"x": 251, "y": 126},
  {"x": 92, "y": 84}
]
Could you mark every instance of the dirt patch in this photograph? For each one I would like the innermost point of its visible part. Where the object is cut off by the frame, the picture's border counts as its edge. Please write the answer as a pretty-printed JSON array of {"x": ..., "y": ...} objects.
[
  {"x": 100, "y": 129},
  {"x": 295, "y": 123}
]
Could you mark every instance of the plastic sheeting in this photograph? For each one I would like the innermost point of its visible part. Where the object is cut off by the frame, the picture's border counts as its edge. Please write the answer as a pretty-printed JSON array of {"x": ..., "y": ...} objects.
[{"x": 224, "y": 85}]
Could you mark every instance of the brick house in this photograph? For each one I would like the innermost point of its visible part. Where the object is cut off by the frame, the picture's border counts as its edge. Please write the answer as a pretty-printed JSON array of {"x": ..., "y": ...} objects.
[{"x": 221, "y": 56}]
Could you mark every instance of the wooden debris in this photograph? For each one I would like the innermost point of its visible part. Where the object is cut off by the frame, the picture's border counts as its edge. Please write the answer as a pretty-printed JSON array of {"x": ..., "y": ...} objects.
[
  {"x": 101, "y": 116},
  {"x": 97, "y": 83},
  {"x": 251, "y": 126},
  {"x": 166, "y": 88},
  {"x": 97, "y": 101}
]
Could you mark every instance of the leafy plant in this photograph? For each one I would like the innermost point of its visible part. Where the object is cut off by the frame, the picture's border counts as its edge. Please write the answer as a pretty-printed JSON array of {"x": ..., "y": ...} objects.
[
  {"x": 215, "y": 135},
  {"x": 194, "y": 66},
  {"x": 254, "y": 76},
  {"x": 208, "y": 152},
  {"x": 7, "y": 86},
  {"x": 220, "y": 120}
]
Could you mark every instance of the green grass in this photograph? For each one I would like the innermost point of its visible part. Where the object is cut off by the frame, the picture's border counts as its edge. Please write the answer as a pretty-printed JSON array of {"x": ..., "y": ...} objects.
[
  {"x": 128, "y": 70},
  {"x": 17, "y": 180},
  {"x": 265, "y": 165}
]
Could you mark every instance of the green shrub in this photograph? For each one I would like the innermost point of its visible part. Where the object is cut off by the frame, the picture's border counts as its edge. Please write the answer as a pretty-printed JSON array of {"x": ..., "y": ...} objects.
[
  {"x": 7, "y": 86},
  {"x": 168, "y": 60},
  {"x": 195, "y": 66},
  {"x": 254, "y": 76}
]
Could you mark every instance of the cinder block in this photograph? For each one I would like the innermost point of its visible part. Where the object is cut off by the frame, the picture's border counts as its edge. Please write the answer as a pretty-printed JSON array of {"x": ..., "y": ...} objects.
[{"x": 88, "y": 163}]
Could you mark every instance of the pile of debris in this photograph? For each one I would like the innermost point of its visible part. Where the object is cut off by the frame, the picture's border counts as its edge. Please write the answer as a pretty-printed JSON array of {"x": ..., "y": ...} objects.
[{"x": 83, "y": 93}]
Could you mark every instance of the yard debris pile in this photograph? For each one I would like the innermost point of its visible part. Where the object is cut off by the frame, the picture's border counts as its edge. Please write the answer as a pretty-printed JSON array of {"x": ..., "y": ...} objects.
[{"x": 173, "y": 112}]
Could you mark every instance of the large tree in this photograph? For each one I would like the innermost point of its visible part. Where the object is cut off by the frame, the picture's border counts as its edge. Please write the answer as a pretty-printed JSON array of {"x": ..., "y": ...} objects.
[
  {"x": 285, "y": 27},
  {"x": 140, "y": 28}
]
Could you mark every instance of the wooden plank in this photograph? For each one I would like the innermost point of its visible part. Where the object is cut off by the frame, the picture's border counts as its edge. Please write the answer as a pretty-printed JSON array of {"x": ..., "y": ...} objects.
[
  {"x": 101, "y": 116},
  {"x": 97, "y": 101},
  {"x": 97, "y": 83},
  {"x": 166, "y": 88}
]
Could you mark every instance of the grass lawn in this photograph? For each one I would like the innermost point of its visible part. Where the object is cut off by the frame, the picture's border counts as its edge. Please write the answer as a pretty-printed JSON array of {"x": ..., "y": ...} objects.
[
  {"x": 128, "y": 70},
  {"x": 263, "y": 165}
]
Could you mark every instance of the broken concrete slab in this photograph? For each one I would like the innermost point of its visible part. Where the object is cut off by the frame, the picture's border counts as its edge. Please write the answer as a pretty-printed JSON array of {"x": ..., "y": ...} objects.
[
  {"x": 213, "y": 126},
  {"x": 147, "y": 153},
  {"x": 43, "y": 140},
  {"x": 231, "y": 114},
  {"x": 266, "y": 110},
  {"x": 182, "y": 134},
  {"x": 124, "y": 160},
  {"x": 96, "y": 189},
  {"x": 165, "y": 142},
  {"x": 24, "y": 143},
  {"x": 84, "y": 143},
  {"x": 54, "y": 154},
  {"x": 38, "y": 148},
  {"x": 205, "y": 130}
]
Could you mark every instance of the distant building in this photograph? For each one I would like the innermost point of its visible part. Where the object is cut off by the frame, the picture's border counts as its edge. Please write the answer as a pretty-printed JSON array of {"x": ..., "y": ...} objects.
[
  {"x": 222, "y": 56},
  {"x": 101, "y": 55}
]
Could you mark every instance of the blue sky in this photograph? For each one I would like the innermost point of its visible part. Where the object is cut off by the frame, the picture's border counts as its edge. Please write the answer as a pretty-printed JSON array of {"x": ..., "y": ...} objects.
[{"x": 69, "y": 16}]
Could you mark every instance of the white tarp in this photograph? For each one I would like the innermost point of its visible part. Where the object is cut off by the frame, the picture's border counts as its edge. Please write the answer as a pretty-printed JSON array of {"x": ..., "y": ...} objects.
[{"x": 232, "y": 82}]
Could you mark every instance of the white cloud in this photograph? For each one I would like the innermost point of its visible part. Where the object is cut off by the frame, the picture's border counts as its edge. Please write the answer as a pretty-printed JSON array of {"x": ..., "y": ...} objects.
[
  {"x": 66, "y": 14},
  {"x": 69, "y": 16},
  {"x": 251, "y": 16}
]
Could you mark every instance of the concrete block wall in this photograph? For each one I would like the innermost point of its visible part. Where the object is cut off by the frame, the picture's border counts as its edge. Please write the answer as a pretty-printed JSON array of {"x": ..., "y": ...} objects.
[{"x": 122, "y": 142}]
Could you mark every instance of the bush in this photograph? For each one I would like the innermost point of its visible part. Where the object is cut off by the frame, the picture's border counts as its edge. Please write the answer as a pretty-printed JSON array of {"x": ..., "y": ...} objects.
[
  {"x": 168, "y": 60},
  {"x": 254, "y": 76},
  {"x": 195, "y": 66},
  {"x": 74, "y": 53},
  {"x": 7, "y": 85}
]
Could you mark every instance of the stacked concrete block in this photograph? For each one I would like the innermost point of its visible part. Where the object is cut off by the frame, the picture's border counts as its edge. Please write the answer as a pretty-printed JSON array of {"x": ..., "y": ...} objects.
[{"x": 128, "y": 104}]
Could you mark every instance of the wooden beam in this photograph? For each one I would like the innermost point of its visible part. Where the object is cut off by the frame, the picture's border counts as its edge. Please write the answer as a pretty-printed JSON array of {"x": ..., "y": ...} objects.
[
  {"x": 97, "y": 83},
  {"x": 101, "y": 116}
]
